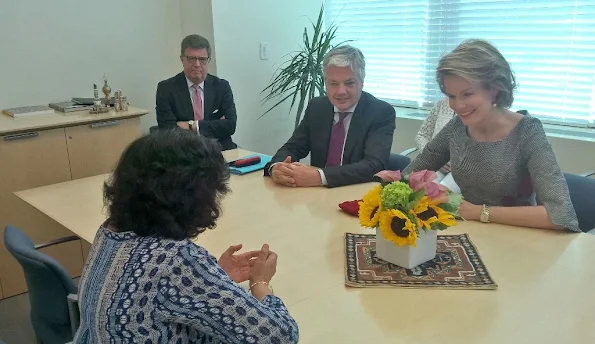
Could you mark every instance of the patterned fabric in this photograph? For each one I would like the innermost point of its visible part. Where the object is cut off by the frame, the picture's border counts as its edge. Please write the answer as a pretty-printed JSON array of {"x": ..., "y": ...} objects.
[
  {"x": 153, "y": 290},
  {"x": 497, "y": 173},
  {"x": 438, "y": 117},
  {"x": 457, "y": 265}
]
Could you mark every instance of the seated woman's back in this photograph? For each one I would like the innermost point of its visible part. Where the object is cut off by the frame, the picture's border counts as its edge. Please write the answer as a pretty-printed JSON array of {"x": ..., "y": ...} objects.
[
  {"x": 167, "y": 291},
  {"x": 145, "y": 281}
]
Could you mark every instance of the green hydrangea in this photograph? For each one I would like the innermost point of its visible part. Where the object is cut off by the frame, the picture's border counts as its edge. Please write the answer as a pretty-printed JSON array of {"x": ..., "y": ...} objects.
[{"x": 396, "y": 195}]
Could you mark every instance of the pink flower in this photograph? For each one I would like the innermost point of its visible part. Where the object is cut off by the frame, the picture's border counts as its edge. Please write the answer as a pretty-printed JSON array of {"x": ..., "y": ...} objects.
[
  {"x": 389, "y": 176},
  {"x": 425, "y": 179}
]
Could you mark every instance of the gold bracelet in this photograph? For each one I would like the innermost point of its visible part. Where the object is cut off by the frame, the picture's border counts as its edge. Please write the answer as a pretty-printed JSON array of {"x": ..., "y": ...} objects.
[{"x": 262, "y": 282}]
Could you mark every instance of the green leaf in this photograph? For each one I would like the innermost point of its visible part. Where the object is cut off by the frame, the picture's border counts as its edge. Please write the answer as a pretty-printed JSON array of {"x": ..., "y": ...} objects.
[
  {"x": 417, "y": 195},
  {"x": 438, "y": 226}
]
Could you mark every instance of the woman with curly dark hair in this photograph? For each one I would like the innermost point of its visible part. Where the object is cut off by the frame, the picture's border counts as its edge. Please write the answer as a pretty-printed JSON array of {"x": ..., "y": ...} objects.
[{"x": 145, "y": 281}]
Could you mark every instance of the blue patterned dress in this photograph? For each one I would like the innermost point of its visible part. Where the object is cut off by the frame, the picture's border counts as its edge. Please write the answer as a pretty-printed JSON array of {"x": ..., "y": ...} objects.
[{"x": 153, "y": 290}]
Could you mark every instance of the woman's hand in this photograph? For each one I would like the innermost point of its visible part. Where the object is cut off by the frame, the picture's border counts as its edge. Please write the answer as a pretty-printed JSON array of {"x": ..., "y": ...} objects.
[
  {"x": 446, "y": 168},
  {"x": 237, "y": 266},
  {"x": 264, "y": 267},
  {"x": 470, "y": 211}
]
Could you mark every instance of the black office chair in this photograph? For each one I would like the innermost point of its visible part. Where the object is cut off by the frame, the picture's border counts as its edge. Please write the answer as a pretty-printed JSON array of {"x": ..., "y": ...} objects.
[
  {"x": 52, "y": 293},
  {"x": 398, "y": 162},
  {"x": 582, "y": 190}
]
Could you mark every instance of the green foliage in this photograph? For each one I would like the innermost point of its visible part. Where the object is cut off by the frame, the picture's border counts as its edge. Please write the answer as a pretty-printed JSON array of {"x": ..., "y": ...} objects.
[{"x": 301, "y": 77}]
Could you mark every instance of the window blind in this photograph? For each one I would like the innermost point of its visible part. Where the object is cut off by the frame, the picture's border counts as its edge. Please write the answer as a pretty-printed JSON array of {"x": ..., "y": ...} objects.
[{"x": 549, "y": 44}]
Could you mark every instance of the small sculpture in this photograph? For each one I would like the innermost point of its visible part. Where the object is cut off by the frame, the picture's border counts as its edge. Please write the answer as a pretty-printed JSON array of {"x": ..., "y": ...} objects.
[
  {"x": 106, "y": 91},
  {"x": 97, "y": 106},
  {"x": 121, "y": 102},
  {"x": 124, "y": 103},
  {"x": 118, "y": 101}
]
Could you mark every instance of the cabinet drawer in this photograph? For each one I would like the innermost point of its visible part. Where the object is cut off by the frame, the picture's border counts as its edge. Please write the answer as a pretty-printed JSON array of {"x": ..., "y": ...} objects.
[
  {"x": 95, "y": 148},
  {"x": 33, "y": 159}
]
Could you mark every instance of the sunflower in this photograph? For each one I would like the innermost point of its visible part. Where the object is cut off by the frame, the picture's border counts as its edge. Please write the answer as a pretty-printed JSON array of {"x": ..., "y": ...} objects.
[
  {"x": 427, "y": 212},
  {"x": 397, "y": 228},
  {"x": 370, "y": 207}
]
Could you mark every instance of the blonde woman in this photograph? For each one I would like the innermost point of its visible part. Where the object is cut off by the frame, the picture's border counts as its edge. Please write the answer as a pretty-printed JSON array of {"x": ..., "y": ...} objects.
[{"x": 500, "y": 159}]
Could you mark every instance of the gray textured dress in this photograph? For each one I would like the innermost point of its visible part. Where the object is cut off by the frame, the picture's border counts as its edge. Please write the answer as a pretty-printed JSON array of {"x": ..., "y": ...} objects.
[{"x": 511, "y": 172}]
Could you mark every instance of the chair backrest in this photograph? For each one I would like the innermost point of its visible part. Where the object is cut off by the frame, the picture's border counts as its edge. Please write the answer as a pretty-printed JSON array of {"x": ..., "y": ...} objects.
[
  {"x": 397, "y": 162},
  {"x": 582, "y": 194},
  {"x": 49, "y": 285}
]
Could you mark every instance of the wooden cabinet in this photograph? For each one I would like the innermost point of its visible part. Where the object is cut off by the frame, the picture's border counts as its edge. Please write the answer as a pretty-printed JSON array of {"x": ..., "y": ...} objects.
[
  {"x": 95, "y": 148},
  {"x": 29, "y": 160},
  {"x": 45, "y": 156}
]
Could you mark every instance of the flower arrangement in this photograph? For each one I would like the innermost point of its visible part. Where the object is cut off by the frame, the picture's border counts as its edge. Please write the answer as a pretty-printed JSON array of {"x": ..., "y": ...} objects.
[{"x": 402, "y": 206}]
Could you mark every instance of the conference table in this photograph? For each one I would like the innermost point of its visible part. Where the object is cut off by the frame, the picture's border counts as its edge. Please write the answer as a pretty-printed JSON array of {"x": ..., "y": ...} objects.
[{"x": 545, "y": 278}]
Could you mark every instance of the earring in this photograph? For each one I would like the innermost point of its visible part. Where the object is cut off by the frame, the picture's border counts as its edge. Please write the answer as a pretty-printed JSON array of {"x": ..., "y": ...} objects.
[{"x": 494, "y": 105}]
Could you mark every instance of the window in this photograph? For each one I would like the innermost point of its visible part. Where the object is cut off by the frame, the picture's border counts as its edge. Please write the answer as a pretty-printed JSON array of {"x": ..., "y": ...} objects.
[{"x": 549, "y": 44}]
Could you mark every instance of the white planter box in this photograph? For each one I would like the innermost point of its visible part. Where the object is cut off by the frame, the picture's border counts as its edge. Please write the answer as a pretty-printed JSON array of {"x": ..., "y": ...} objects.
[{"x": 407, "y": 256}]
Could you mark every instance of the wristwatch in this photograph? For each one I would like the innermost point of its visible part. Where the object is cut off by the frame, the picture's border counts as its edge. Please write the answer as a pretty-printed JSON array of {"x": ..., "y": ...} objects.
[
  {"x": 190, "y": 124},
  {"x": 485, "y": 214}
]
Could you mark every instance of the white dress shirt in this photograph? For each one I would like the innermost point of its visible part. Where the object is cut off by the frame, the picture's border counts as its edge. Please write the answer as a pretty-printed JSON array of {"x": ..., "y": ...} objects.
[{"x": 201, "y": 88}]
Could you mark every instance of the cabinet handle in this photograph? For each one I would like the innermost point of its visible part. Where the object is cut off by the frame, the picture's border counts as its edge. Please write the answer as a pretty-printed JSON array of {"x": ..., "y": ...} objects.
[
  {"x": 21, "y": 136},
  {"x": 103, "y": 124}
]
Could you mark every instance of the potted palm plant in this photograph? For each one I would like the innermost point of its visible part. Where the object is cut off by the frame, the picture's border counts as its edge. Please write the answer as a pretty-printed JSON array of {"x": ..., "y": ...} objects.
[{"x": 301, "y": 77}]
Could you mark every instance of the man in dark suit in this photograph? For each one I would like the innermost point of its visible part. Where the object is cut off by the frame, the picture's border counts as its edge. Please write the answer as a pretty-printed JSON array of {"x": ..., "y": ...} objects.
[
  {"x": 348, "y": 133},
  {"x": 195, "y": 100}
]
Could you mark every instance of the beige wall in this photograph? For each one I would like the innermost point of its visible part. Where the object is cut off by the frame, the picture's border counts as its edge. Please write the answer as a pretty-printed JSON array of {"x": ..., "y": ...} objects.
[
  {"x": 55, "y": 50},
  {"x": 239, "y": 28},
  {"x": 197, "y": 18}
]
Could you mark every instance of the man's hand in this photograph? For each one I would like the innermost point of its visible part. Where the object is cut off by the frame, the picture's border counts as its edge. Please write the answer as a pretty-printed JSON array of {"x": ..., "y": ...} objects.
[
  {"x": 184, "y": 125},
  {"x": 305, "y": 176},
  {"x": 282, "y": 173}
]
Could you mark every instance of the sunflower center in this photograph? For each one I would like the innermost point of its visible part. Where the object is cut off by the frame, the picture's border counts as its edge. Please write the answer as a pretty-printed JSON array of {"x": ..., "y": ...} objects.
[
  {"x": 374, "y": 212},
  {"x": 426, "y": 215},
  {"x": 398, "y": 227}
]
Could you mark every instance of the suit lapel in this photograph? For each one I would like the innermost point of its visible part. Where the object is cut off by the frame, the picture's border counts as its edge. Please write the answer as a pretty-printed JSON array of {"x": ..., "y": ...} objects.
[
  {"x": 356, "y": 127},
  {"x": 209, "y": 97},
  {"x": 325, "y": 126},
  {"x": 183, "y": 95}
]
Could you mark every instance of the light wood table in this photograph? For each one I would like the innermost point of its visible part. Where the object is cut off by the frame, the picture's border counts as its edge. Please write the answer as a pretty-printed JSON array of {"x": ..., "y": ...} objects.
[{"x": 545, "y": 278}]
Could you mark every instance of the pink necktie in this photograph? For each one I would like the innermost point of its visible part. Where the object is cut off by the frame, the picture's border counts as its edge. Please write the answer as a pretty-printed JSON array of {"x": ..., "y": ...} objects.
[
  {"x": 335, "y": 147},
  {"x": 197, "y": 104}
]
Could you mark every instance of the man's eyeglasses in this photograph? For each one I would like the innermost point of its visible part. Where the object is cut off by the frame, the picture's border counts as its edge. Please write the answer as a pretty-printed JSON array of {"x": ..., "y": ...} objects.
[{"x": 192, "y": 59}]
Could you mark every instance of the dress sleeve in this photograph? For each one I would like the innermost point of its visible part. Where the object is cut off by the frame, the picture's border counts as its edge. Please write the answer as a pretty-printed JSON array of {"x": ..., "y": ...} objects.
[
  {"x": 547, "y": 178},
  {"x": 196, "y": 292}
]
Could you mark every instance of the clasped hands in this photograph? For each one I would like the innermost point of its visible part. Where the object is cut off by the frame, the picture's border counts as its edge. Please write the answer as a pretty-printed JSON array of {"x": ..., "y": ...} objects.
[{"x": 294, "y": 174}]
